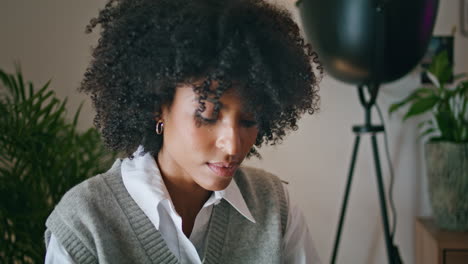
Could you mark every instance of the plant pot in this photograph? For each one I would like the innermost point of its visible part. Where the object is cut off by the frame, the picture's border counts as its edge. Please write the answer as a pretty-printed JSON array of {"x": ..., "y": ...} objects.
[{"x": 447, "y": 170}]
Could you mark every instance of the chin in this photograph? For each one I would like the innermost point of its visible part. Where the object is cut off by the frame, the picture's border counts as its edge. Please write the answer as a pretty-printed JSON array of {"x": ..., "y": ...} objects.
[
  {"x": 211, "y": 182},
  {"x": 216, "y": 185}
]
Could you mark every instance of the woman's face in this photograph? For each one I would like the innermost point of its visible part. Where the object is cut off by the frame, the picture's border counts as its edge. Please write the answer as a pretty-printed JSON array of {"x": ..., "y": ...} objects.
[{"x": 206, "y": 155}]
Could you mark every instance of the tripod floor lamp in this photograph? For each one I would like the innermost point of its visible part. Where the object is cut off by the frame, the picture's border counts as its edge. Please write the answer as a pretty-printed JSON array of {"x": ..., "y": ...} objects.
[{"x": 368, "y": 43}]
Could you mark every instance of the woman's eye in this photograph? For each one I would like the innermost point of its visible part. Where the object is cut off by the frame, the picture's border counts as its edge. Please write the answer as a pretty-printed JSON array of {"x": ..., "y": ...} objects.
[
  {"x": 208, "y": 120},
  {"x": 203, "y": 120},
  {"x": 212, "y": 121}
]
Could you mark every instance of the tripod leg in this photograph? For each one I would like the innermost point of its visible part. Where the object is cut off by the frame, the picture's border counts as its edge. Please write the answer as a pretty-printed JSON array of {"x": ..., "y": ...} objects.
[
  {"x": 345, "y": 199},
  {"x": 392, "y": 258}
]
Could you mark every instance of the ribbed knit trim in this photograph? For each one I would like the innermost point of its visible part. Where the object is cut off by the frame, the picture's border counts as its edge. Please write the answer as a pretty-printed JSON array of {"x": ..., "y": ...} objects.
[
  {"x": 75, "y": 248},
  {"x": 217, "y": 232},
  {"x": 283, "y": 205},
  {"x": 150, "y": 238}
]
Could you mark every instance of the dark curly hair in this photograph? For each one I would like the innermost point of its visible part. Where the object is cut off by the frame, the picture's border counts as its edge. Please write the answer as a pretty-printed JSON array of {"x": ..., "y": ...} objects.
[{"x": 148, "y": 47}]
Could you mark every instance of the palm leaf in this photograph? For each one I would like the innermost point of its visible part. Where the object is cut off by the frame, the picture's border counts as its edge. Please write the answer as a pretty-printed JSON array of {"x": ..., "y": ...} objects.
[{"x": 42, "y": 156}]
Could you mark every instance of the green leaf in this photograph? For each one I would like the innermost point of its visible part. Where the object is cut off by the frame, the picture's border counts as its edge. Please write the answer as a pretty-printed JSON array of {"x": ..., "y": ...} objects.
[
  {"x": 462, "y": 89},
  {"x": 441, "y": 67},
  {"x": 14, "y": 88},
  {"x": 5, "y": 79},
  {"x": 421, "y": 106},
  {"x": 427, "y": 132},
  {"x": 20, "y": 84},
  {"x": 423, "y": 123},
  {"x": 77, "y": 114},
  {"x": 446, "y": 124},
  {"x": 416, "y": 94}
]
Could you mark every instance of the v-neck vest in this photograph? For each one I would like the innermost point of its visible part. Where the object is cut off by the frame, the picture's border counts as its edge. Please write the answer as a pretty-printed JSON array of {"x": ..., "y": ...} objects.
[{"x": 97, "y": 221}]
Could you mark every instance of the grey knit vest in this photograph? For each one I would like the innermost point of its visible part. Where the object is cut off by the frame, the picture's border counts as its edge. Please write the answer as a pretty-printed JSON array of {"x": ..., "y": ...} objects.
[{"x": 97, "y": 221}]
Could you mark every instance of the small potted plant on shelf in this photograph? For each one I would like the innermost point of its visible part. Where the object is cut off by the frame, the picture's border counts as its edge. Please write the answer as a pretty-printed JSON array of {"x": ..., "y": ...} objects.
[{"x": 446, "y": 148}]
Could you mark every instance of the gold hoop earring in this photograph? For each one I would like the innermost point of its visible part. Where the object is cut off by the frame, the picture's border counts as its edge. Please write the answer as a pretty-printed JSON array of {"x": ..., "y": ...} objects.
[{"x": 159, "y": 127}]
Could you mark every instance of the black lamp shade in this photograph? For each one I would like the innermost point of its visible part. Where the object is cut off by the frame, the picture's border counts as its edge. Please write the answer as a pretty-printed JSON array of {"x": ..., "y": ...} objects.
[{"x": 363, "y": 41}]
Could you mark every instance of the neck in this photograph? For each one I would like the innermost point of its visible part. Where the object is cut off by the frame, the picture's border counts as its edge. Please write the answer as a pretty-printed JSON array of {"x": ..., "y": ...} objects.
[
  {"x": 187, "y": 199},
  {"x": 186, "y": 195}
]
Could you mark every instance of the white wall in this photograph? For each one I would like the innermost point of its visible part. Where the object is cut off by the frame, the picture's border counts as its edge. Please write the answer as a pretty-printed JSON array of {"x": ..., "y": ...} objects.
[{"x": 47, "y": 38}]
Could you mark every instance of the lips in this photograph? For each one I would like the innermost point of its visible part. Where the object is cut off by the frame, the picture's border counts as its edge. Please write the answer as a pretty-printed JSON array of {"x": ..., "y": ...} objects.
[{"x": 223, "y": 169}]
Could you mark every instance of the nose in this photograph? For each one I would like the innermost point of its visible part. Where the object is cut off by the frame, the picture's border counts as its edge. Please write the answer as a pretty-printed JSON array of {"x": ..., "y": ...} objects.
[{"x": 229, "y": 140}]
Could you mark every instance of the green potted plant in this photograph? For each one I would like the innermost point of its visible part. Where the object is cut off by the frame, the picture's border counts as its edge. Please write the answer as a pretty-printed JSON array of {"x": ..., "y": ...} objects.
[
  {"x": 446, "y": 148},
  {"x": 42, "y": 155}
]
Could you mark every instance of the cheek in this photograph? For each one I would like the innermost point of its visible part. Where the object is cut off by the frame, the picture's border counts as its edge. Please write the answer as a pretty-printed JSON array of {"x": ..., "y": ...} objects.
[
  {"x": 249, "y": 136},
  {"x": 180, "y": 136},
  {"x": 201, "y": 138}
]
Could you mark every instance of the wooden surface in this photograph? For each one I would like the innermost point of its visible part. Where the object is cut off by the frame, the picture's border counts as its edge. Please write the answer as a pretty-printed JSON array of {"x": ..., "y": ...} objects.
[{"x": 436, "y": 246}]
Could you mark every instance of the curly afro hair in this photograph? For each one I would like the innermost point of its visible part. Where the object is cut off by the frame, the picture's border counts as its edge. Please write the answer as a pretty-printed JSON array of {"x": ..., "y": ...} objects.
[{"x": 149, "y": 47}]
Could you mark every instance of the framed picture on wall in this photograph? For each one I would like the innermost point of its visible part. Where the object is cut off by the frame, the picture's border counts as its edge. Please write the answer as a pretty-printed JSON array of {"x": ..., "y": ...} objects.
[{"x": 464, "y": 17}]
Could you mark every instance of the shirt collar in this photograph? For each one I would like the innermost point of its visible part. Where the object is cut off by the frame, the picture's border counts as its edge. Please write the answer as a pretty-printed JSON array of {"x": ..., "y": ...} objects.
[
  {"x": 233, "y": 195},
  {"x": 143, "y": 181}
]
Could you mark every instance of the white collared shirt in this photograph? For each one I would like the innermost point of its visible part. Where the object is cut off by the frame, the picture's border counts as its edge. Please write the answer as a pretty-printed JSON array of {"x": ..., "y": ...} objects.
[{"x": 145, "y": 185}]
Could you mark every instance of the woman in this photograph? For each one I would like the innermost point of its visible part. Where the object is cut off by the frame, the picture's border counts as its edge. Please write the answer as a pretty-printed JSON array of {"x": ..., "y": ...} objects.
[{"x": 187, "y": 90}]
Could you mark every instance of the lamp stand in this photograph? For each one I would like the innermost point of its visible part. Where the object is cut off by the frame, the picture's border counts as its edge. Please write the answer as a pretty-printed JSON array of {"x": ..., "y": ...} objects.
[{"x": 392, "y": 250}]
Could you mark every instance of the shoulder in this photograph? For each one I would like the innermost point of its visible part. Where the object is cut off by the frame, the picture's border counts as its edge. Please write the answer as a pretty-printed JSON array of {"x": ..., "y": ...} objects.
[
  {"x": 81, "y": 207},
  {"x": 90, "y": 189},
  {"x": 81, "y": 213},
  {"x": 258, "y": 183},
  {"x": 257, "y": 174},
  {"x": 258, "y": 178},
  {"x": 83, "y": 194},
  {"x": 264, "y": 194},
  {"x": 86, "y": 197}
]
